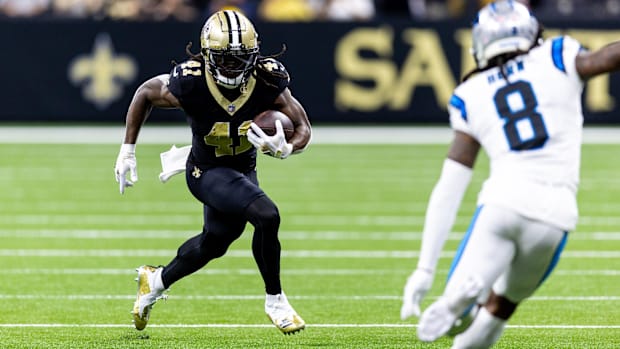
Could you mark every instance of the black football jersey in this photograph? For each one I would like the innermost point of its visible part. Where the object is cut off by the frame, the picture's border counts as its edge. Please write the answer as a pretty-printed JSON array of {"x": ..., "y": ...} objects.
[{"x": 219, "y": 125}]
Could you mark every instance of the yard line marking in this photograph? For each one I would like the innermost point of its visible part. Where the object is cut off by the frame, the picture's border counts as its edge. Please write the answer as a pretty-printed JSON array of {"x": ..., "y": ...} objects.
[
  {"x": 57, "y": 325},
  {"x": 181, "y": 134},
  {"x": 62, "y": 205},
  {"x": 284, "y": 235},
  {"x": 242, "y": 271},
  {"x": 28, "y": 219},
  {"x": 89, "y": 297},
  {"x": 248, "y": 254},
  {"x": 564, "y": 327}
]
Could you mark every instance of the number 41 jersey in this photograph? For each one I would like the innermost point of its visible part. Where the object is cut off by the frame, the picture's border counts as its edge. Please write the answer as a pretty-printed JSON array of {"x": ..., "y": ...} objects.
[
  {"x": 220, "y": 122},
  {"x": 531, "y": 128}
]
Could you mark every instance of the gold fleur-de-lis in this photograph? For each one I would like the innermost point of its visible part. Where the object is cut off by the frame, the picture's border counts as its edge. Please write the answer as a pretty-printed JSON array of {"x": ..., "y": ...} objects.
[
  {"x": 102, "y": 72},
  {"x": 196, "y": 172}
]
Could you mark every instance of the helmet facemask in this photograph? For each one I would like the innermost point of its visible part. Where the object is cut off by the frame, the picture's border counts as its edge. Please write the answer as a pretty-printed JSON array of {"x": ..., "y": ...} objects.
[
  {"x": 230, "y": 48},
  {"x": 231, "y": 68}
]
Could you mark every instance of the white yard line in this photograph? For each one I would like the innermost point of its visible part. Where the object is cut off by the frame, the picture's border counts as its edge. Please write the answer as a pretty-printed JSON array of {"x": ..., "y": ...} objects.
[
  {"x": 180, "y": 134},
  {"x": 233, "y": 326},
  {"x": 253, "y": 271},
  {"x": 167, "y": 234},
  {"x": 89, "y": 297},
  {"x": 43, "y": 219},
  {"x": 365, "y": 254}
]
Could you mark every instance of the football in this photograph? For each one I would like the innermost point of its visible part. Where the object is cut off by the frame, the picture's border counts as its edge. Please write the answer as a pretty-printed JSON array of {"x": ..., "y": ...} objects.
[{"x": 267, "y": 122}]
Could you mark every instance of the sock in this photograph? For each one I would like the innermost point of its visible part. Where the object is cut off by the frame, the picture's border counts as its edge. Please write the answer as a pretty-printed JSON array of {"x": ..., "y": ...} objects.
[
  {"x": 483, "y": 332},
  {"x": 273, "y": 298},
  {"x": 158, "y": 284}
]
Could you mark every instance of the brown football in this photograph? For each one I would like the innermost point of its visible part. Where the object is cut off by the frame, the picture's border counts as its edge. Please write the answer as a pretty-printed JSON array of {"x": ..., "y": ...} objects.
[{"x": 267, "y": 122}]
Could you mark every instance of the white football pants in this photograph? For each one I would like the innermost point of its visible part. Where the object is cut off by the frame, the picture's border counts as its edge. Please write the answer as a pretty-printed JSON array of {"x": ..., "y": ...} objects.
[{"x": 505, "y": 251}]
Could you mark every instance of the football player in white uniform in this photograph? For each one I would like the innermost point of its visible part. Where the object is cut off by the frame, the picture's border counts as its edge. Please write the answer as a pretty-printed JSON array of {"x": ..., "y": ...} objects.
[{"x": 522, "y": 105}]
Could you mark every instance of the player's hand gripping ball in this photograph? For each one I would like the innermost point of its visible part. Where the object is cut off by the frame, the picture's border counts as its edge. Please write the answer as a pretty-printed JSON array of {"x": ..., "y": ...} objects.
[
  {"x": 270, "y": 132},
  {"x": 267, "y": 122}
]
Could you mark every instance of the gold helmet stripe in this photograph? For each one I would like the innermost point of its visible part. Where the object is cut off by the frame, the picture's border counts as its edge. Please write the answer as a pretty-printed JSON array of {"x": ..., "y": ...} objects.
[{"x": 234, "y": 32}]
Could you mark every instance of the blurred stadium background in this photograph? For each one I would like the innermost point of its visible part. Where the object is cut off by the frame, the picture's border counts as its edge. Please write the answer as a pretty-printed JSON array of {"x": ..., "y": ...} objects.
[
  {"x": 351, "y": 61},
  {"x": 375, "y": 77}
]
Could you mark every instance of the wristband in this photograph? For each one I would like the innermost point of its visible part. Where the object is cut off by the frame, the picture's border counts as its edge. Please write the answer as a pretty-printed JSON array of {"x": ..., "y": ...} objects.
[{"x": 128, "y": 148}]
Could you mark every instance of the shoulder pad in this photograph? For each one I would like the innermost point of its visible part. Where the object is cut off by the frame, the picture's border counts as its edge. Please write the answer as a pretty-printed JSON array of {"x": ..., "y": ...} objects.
[
  {"x": 272, "y": 71},
  {"x": 183, "y": 77}
]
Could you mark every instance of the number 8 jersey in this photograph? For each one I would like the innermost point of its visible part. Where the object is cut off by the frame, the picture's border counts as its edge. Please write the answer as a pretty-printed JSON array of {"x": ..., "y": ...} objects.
[{"x": 530, "y": 126}]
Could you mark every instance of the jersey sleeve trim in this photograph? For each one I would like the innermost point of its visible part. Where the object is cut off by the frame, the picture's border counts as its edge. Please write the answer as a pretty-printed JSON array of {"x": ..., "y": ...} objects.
[
  {"x": 459, "y": 104},
  {"x": 557, "y": 46}
]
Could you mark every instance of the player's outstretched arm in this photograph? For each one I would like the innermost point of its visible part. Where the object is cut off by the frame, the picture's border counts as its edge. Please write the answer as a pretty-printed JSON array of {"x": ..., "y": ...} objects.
[
  {"x": 152, "y": 93},
  {"x": 290, "y": 106},
  {"x": 446, "y": 197},
  {"x": 601, "y": 61},
  {"x": 441, "y": 213}
]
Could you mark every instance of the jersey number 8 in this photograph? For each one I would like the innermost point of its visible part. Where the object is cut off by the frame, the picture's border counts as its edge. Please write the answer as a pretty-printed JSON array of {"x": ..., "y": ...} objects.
[{"x": 527, "y": 113}]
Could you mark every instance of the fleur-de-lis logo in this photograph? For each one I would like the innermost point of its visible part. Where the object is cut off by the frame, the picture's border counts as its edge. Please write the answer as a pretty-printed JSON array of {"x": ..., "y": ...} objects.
[
  {"x": 196, "y": 172},
  {"x": 102, "y": 73}
]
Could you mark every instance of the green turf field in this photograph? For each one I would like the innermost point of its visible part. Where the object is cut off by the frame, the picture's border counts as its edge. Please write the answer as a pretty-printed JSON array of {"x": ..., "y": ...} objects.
[{"x": 351, "y": 222}]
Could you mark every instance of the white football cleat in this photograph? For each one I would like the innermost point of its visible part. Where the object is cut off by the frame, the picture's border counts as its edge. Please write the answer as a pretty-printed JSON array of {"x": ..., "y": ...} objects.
[
  {"x": 462, "y": 323},
  {"x": 150, "y": 289},
  {"x": 441, "y": 317},
  {"x": 282, "y": 314},
  {"x": 435, "y": 321}
]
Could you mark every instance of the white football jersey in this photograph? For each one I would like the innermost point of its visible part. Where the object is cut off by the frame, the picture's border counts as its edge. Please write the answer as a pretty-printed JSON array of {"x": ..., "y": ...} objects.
[{"x": 531, "y": 129}]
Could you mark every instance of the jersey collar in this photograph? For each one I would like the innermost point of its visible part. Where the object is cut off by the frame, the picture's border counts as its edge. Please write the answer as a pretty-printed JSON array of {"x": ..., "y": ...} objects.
[{"x": 231, "y": 107}]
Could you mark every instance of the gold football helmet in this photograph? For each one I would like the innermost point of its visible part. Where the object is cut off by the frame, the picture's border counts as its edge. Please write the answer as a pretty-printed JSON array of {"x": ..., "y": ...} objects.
[{"x": 229, "y": 44}]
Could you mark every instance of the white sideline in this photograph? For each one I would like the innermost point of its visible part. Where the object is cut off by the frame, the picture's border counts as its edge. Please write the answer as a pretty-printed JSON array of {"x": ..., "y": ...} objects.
[{"x": 181, "y": 134}]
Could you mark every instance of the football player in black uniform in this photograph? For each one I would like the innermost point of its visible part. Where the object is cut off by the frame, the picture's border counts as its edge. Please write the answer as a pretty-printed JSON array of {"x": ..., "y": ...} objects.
[{"x": 221, "y": 90}]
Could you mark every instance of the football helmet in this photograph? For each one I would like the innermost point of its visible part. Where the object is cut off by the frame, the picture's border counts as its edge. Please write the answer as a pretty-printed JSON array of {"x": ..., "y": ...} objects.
[
  {"x": 229, "y": 45},
  {"x": 502, "y": 27}
]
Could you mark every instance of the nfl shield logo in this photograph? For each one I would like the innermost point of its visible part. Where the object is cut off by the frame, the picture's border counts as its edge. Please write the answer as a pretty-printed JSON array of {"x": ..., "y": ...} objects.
[{"x": 231, "y": 108}]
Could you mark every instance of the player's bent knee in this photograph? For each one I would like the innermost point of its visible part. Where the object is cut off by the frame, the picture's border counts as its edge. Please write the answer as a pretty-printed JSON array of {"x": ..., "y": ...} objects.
[{"x": 263, "y": 212}]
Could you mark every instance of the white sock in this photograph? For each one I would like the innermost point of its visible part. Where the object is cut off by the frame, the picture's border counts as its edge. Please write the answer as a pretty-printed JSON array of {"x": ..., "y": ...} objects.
[
  {"x": 482, "y": 333},
  {"x": 158, "y": 284},
  {"x": 273, "y": 298}
]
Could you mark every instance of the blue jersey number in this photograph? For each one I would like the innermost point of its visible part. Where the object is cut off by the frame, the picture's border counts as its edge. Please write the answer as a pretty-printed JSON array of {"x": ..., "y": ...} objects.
[{"x": 524, "y": 118}]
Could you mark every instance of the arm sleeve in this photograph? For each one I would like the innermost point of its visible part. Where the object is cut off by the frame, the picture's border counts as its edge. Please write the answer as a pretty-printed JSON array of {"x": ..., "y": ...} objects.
[{"x": 441, "y": 213}]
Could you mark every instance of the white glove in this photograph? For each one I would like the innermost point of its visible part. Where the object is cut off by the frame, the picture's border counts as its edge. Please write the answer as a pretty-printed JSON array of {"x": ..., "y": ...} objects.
[
  {"x": 418, "y": 284},
  {"x": 275, "y": 145},
  {"x": 126, "y": 162}
]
